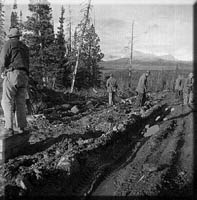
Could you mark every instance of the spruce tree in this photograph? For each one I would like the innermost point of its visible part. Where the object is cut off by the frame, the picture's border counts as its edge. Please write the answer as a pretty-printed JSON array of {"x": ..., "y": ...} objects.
[
  {"x": 40, "y": 38},
  {"x": 63, "y": 68},
  {"x": 89, "y": 73},
  {"x": 86, "y": 47},
  {"x": 93, "y": 55}
]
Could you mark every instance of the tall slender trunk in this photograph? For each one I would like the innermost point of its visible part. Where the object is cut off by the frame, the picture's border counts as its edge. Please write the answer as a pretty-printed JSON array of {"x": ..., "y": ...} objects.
[
  {"x": 80, "y": 44},
  {"x": 70, "y": 33},
  {"x": 131, "y": 55}
]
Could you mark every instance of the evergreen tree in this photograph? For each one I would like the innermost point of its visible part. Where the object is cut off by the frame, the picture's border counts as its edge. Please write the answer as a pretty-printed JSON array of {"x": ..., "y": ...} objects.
[
  {"x": 21, "y": 21},
  {"x": 92, "y": 55},
  {"x": 60, "y": 34},
  {"x": 89, "y": 74},
  {"x": 14, "y": 17},
  {"x": 2, "y": 33},
  {"x": 69, "y": 44},
  {"x": 63, "y": 67},
  {"x": 40, "y": 38}
]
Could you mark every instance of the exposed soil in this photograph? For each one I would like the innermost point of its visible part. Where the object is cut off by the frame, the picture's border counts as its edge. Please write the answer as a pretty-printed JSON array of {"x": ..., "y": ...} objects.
[{"x": 98, "y": 150}]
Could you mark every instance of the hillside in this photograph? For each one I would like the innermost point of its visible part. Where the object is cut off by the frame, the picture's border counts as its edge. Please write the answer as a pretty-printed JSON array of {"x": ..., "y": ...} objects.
[{"x": 143, "y": 61}]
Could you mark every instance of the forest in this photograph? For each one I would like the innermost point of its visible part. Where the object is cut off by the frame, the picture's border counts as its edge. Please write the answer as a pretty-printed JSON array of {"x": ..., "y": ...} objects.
[{"x": 52, "y": 57}]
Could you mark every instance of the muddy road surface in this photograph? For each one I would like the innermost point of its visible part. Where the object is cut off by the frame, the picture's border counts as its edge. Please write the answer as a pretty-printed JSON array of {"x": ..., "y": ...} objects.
[
  {"x": 162, "y": 165},
  {"x": 88, "y": 149}
]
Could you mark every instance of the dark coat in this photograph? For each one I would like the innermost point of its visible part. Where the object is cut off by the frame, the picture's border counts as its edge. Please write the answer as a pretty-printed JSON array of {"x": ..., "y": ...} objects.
[
  {"x": 111, "y": 85},
  {"x": 142, "y": 84},
  {"x": 179, "y": 84},
  {"x": 14, "y": 55},
  {"x": 188, "y": 85}
]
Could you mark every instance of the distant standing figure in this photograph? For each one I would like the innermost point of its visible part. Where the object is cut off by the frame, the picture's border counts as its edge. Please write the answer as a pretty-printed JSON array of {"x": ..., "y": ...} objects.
[
  {"x": 179, "y": 85},
  {"x": 112, "y": 87},
  {"x": 188, "y": 89},
  {"x": 142, "y": 89}
]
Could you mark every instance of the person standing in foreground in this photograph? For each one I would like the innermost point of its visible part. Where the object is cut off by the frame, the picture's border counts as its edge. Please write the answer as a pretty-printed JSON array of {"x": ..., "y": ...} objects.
[
  {"x": 14, "y": 66},
  {"x": 111, "y": 89},
  {"x": 142, "y": 89}
]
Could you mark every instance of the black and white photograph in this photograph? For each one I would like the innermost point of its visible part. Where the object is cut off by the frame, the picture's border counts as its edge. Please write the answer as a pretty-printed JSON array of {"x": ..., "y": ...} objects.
[{"x": 97, "y": 99}]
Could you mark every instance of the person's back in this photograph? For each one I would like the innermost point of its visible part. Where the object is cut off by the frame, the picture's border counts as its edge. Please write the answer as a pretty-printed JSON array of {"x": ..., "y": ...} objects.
[
  {"x": 142, "y": 89},
  {"x": 14, "y": 65},
  {"x": 111, "y": 84},
  {"x": 187, "y": 85},
  {"x": 111, "y": 89},
  {"x": 141, "y": 84},
  {"x": 177, "y": 83},
  {"x": 188, "y": 89},
  {"x": 181, "y": 84},
  {"x": 20, "y": 55}
]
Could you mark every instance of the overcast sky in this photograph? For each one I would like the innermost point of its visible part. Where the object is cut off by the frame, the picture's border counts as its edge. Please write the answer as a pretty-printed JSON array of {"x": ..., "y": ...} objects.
[{"x": 159, "y": 29}]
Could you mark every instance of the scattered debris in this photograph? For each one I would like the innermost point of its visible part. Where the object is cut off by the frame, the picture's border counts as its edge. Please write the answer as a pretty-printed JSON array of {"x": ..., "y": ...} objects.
[
  {"x": 151, "y": 130},
  {"x": 141, "y": 178},
  {"x": 157, "y": 118},
  {"x": 172, "y": 109},
  {"x": 75, "y": 110},
  {"x": 149, "y": 167}
]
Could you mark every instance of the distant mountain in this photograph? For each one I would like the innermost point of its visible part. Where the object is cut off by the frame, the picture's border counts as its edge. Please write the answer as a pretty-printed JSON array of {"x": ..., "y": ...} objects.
[
  {"x": 141, "y": 56},
  {"x": 146, "y": 61},
  {"x": 138, "y": 55},
  {"x": 167, "y": 57}
]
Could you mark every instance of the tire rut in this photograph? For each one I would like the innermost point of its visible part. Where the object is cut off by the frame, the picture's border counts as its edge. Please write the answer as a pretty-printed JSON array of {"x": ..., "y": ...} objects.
[{"x": 175, "y": 182}]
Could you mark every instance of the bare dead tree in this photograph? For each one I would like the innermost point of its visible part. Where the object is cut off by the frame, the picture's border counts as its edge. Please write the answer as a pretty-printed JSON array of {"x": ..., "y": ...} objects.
[
  {"x": 86, "y": 20},
  {"x": 131, "y": 54},
  {"x": 131, "y": 51}
]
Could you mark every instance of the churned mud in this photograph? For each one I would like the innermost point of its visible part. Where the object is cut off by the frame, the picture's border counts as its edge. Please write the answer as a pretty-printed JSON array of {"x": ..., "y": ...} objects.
[{"x": 87, "y": 148}]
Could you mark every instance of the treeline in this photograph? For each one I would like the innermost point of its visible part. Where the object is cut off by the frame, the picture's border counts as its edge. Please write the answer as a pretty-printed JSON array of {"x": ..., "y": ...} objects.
[{"x": 52, "y": 57}]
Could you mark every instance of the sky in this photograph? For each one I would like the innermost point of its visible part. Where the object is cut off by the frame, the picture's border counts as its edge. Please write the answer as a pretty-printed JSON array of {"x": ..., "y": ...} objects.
[{"x": 160, "y": 29}]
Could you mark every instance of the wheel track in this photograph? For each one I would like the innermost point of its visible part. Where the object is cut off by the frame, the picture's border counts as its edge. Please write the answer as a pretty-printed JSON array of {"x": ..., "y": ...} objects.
[
  {"x": 119, "y": 178},
  {"x": 175, "y": 178},
  {"x": 135, "y": 170}
]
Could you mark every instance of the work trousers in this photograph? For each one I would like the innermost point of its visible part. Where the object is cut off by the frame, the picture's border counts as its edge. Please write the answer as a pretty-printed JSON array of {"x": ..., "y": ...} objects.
[
  {"x": 188, "y": 98},
  {"x": 180, "y": 95},
  {"x": 176, "y": 94},
  {"x": 111, "y": 98},
  {"x": 14, "y": 89},
  {"x": 141, "y": 98},
  {"x": 191, "y": 97}
]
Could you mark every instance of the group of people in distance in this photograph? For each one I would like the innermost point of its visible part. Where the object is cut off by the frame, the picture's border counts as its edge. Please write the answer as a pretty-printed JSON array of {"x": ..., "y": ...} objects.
[
  {"x": 141, "y": 89},
  {"x": 183, "y": 89}
]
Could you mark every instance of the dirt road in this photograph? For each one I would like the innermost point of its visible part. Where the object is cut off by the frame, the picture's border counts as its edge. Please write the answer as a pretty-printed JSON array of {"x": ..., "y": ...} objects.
[
  {"x": 107, "y": 151},
  {"x": 162, "y": 166}
]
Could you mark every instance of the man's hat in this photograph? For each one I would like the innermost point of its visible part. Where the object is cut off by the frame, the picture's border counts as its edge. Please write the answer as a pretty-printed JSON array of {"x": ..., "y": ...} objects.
[
  {"x": 191, "y": 74},
  {"x": 14, "y": 32},
  {"x": 147, "y": 72}
]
